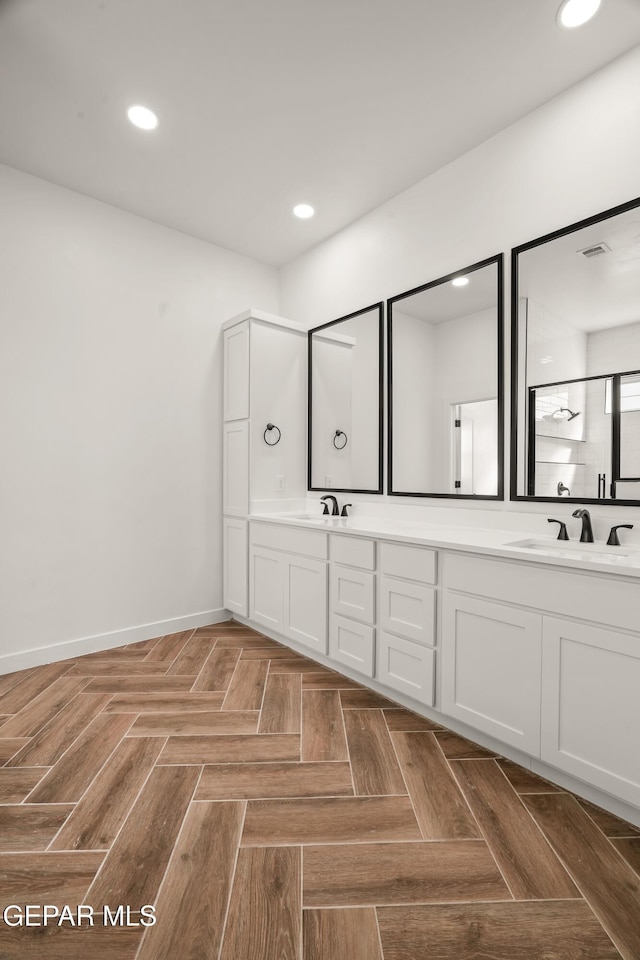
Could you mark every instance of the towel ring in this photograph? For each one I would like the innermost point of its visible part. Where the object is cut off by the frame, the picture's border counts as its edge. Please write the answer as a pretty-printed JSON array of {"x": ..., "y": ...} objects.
[
  {"x": 268, "y": 428},
  {"x": 340, "y": 433}
]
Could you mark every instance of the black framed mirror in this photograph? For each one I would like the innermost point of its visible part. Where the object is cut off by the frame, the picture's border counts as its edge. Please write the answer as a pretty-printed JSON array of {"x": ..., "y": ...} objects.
[
  {"x": 345, "y": 403},
  {"x": 445, "y": 386},
  {"x": 575, "y": 362}
]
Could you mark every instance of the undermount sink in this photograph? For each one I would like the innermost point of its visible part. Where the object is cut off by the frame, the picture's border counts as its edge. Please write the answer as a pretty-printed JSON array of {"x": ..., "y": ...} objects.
[
  {"x": 313, "y": 517},
  {"x": 597, "y": 552}
]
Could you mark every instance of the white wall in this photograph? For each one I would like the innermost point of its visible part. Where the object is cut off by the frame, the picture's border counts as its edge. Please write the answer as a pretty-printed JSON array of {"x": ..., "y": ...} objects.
[
  {"x": 576, "y": 156},
  {"x": 110, "y": 431}
]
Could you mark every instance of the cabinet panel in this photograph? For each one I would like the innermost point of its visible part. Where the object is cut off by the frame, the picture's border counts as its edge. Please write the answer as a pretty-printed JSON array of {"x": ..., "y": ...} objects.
[
  {"x": 305, "y": 602},
  {"x": 352, "y": 644},
  {"x": 266, "y": 588},
  {"x": 352, "y": 593},
  {"x": 309, "y": 543},
  {"x": 234, "y": 539},
  {"x": 491, "y": 668},
  {"x": 235, "y": 469},
  {"x": 354, "y": 551},
  {"x": 590, "y": 705},
  {"x": 236, "y": 372},
  {"x": 412, "y": 563},
  {"x": 406, "y": 666},
  {"x": 408, "y": 609}
]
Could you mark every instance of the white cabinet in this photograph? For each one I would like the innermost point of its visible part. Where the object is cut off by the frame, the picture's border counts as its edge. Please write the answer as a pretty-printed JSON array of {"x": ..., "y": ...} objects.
[
  {"x": 352, "y": 593},
  {"x": 591, "y": 705},
  {"x": 305, "y": 601},
  {"x": 352, "y": 602},
  {"x": 234, "y": 566},
  {"x": 235, "y": 460},
  {"x": 408, "y": 609},
  {"x": 406, "y": 666},
  {"x": 352, "y": 644},
  {"x": 491, "y": 663},
  {"x": 236, "y": 371},
  {"x": 266, "y": 588}
]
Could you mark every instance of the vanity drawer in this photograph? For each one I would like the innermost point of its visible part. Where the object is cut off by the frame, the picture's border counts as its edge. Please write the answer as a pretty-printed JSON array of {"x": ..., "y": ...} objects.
[
  {"x": 411, "y": 563},
  {"x": 408, "y": 609},
  {"x": 406, "y": 666},
  {"x": 352, "y": 593},
  {"x": 307, "y": 543},
  {"x": 353, "y": 551},
  {"x": 352, "y": 644},
  {"x": 557, "y": 590}
]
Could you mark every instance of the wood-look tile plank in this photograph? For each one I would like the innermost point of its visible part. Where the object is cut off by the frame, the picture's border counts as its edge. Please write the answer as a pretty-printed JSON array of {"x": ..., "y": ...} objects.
[
  {"x": 269, "y": 653},
  {"x": 246, "y": 689},
  {"x": 47, "y": 877},
  {"x": 589, "y": 856},
  {"x": 629, "y": 848},
  {"x": 364, "y": 700},
  {"x": 440, "y": 807},
  {"x": 113, "y": 653},
  {"x": 17, "y": 782},
  {"x": 31, "y": 686},
  {"x": 249, "y": 781},
  {"x": 70, "y": 777},
  {"x": 323, "y": 736},
  {"x": 192, "y": 904},
  {"x": 231, "y": 749},
  {"x": 164, "y": 702},
  {"x": 500, "y": 931},
  {"x": 248, "y": 641},
  {"x": 530, "y": 867},
  {"x": 10, "y": 680},
  {"x": 98, "y": 816},
  {"x": 30, "y": 827},
  {"x": 523, "y": 780},
  {"x": 49, "y": 744},
  {"x": 217, "y": 671},
  {"x": 379, "y": 873},
  {"x": 120, "y": 668},
  {"x": 71, "y": 943},
  {"x": 168, "y": 648},
  {"x": 11, "y": 746},
  {"x": 138, "y": 858},
  {"x": 341, "y": 934},
  {"x": 404, "y": 720},
  {"x": 373, "y": 759},
  {"x": 195, "y": 724},
  {"x": 610, "y": 825},
  {"x": 143, "y": 645},
  {"x": 456, "y": 747},
  {"x": 162, "y": 684},
  {"x": 282, "y": 704},
  {"x": 330, "y": 820},
  {"x": 323, "y": 681},
  {"x": 265, "y": 915},
  {"x": 301, "y": 665},
  {"x": 193, "y": 657}
]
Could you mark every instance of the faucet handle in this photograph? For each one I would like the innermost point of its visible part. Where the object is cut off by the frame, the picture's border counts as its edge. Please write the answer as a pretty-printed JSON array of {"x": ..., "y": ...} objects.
[
  {"x": 614, "y": 539},
  {"x": 562, "y": 532},
  {"x": 343, "y": 512}
]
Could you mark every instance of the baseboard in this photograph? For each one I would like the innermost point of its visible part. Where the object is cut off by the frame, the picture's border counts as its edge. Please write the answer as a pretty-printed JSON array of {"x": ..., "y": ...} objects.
[{"x": 38, "y": 656}]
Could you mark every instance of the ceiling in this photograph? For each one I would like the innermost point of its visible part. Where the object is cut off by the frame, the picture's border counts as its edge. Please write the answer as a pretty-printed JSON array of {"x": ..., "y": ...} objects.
[{"x": 267, "y": 103}]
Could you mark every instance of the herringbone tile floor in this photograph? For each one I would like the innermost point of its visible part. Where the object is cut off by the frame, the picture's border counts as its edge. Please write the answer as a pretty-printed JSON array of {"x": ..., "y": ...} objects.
[{"x": 269, "y": 809}]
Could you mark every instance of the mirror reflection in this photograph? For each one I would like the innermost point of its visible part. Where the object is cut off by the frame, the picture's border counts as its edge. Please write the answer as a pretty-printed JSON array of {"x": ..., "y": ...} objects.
[
  {"x": 445, "y": 403},
  {"x": 345, "y": 403},
  {"x": 577, "y": 361}
]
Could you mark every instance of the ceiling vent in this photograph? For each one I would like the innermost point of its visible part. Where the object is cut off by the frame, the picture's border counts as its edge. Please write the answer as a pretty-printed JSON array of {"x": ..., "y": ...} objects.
[{"x": 595, "y": 250}]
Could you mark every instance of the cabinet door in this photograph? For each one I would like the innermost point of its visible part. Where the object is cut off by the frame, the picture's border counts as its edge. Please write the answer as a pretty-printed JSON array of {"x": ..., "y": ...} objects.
[
  {"x": 266, "y": 588},
  {"x": 406, "y": 666},
  {"x": 408, "y": 609},
  {"x": 235, "y": 469},
  {"x": 305, "y": 601},
  {"x": 491, "y": 669},
  {"x": 591, "y": 706},
  {"x": 352, "y": 593},
  {"x": 236, "y": 372},
  {"x": 234, "y": 572},
  {"x": 352, "y": 643}
]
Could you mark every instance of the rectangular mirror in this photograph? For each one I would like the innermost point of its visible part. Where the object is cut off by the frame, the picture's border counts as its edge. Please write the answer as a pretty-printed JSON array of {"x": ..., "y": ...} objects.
[
  {"x": 345, "y": 403},
  {"x": 445, "y": 386},
  {"x": 575, "y": 421}
]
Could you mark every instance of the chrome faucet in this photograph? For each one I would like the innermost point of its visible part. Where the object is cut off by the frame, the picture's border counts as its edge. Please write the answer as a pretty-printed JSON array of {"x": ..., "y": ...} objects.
[
  {"x": 587, "y": 532},
  {"x": 335, "y": 512}
]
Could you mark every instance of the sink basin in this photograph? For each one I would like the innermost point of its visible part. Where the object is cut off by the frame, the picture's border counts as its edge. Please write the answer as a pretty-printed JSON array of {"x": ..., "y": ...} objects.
[
  {"x": 596, "y": 552},
  {"x": 309, "y": 517}
]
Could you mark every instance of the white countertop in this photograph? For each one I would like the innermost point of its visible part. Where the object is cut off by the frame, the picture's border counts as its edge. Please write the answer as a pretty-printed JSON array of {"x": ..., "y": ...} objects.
[{"x": 623, "y": 561}]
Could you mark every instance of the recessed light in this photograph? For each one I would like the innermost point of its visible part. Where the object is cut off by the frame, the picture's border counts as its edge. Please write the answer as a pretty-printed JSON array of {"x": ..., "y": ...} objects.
[
  {"x": 142, "y": 117},
  {"x": 460, "y": 282},
  {"x": 573, "y": 13},
  {"x": 303, "y": 211}
]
